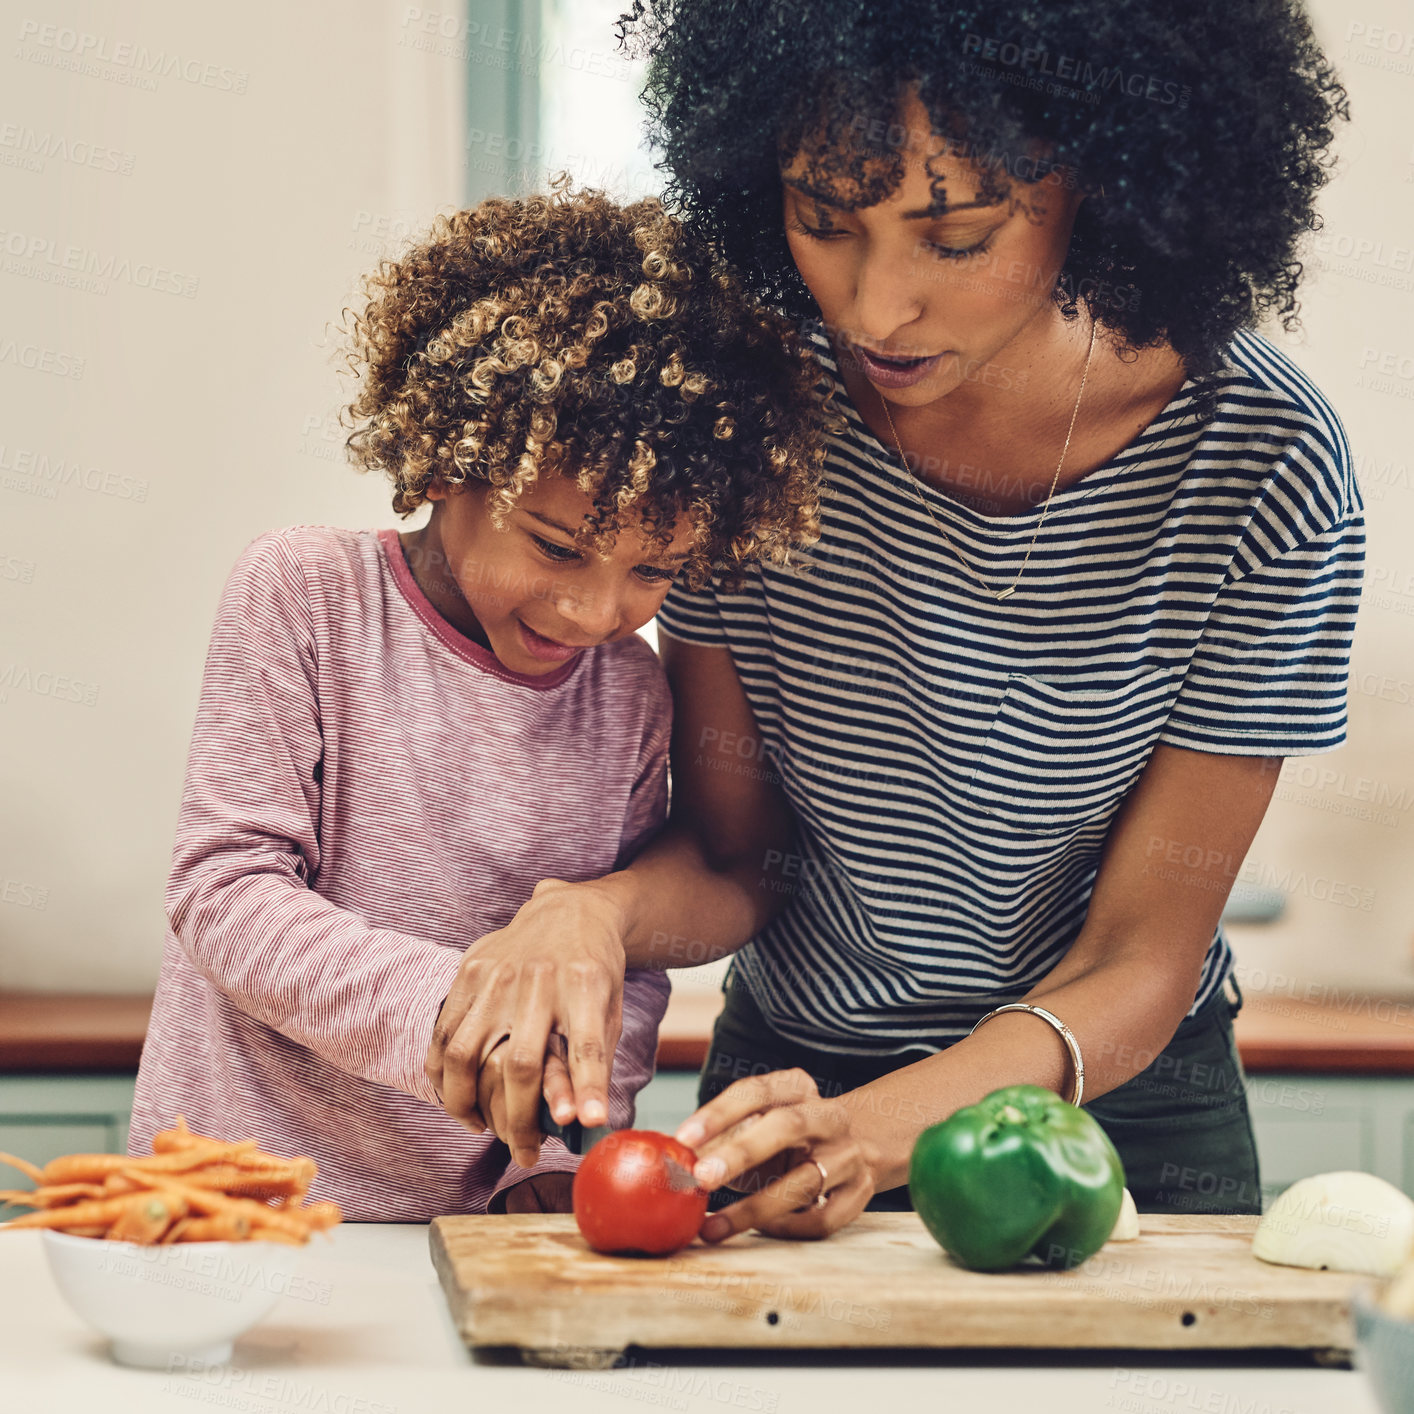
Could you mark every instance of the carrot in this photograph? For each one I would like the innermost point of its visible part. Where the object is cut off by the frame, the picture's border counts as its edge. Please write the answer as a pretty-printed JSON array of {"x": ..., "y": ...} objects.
[
  {"x": 145, "y": 1222},
  {"x": 68, "y": 1192},
  {"x": 174, "y": 1140},
  {"x": 126, "y": 1179},
  {"x": 178, "y": 1137},
  {"x": 94, "y": 1168},
  {"x": 261, "y": 1160},
  {"x": 191, "y": 1188},
  {"x": 204, "y": 1151},
  {"x": 25, "y": 1167},
  {"x": 174, "y": 1233},
  {"x": 209, "y": 1202},
  {"x": 236, "y": 1188},
  {"x": 306, "y": 1171},
  {"x": 282, "y": 1220},
  {"x": 219, "y": 1175},
  {"x": 52, "y": 1197},
  {"x": 273, "y": 1181},
  {"x": 269, "y": 1220},
  {"x": 82, "y": 1168},
  {"x": 322, "y": 1216},
  {"x": 167, "y": 1141},
  {"x": 233, "y": 1227},
  {"x": 214, "y": 1204},
  {"x": 98, "y": 1211}
]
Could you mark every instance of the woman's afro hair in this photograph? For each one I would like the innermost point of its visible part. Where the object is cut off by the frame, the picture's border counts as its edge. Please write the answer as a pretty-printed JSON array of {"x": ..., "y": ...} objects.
[{"x": 1204, "y": 123}]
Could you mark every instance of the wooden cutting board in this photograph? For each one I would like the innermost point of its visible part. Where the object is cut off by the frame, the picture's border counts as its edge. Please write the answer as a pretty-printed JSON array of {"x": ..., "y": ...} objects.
[{"x": 530, "y": 1282}]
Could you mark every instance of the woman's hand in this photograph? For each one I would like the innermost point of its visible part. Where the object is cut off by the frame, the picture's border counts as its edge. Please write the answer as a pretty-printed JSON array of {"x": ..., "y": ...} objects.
[
  {"x": 557, "y": 966},
  {"x": 767, "y": 1134}
]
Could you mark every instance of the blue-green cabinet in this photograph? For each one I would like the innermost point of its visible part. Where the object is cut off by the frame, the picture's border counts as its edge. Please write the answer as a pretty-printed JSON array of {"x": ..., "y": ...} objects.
[
  {"x": 43, "y": 1116},
  {"x": 1304, "y": 1123}
]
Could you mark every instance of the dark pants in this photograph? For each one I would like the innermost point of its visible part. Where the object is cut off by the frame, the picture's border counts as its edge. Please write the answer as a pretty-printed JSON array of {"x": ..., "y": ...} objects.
[{"x": 1181, "y": 1125}]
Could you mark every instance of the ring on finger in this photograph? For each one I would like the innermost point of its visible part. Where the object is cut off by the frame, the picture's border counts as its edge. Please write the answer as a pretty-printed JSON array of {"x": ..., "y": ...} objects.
[{"x": 823, "y": 1196}]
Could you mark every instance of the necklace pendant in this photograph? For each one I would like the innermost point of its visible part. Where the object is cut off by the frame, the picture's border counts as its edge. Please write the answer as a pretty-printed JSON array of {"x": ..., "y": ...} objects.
[{"x": 1007, "y": 592}]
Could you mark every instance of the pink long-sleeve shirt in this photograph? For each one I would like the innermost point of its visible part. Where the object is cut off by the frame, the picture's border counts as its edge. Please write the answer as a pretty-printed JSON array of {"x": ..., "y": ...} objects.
[{"x": 368, "y": 793}]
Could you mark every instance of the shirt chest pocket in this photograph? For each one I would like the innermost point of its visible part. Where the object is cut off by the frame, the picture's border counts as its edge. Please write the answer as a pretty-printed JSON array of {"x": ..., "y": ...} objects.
[{"x": 1056, "y": 757}]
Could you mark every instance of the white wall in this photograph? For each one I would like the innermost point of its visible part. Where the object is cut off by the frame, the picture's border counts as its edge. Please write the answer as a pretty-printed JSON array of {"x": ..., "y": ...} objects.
[
  {"x": 276, "y": 150},
  {"x": 1339, "y": 838},
  {"x": 197, "y": 420}
]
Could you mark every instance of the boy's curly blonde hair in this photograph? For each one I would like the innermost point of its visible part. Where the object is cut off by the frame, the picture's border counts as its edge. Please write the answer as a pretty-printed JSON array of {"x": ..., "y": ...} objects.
[{"x": 567, "y": 333}]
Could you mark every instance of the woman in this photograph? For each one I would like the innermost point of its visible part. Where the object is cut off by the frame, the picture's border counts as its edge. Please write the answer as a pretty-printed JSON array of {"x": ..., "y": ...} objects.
[{"x": 1087, "y": 573}]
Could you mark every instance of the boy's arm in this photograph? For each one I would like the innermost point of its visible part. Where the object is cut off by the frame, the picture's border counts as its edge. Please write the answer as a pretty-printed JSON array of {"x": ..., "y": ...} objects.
[{"x": 364, "y": 999}]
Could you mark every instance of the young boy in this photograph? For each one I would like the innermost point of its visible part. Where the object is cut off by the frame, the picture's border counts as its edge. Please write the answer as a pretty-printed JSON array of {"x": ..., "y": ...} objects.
[{"x": 399, "y": 736}]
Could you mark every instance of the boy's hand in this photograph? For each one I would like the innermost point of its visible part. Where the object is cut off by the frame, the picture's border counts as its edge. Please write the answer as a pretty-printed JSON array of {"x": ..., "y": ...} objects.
[
  {"x": 541, "y": 1193},
  {"x": 557, "y": 966},
  {"x": 491, "y": 1101}
]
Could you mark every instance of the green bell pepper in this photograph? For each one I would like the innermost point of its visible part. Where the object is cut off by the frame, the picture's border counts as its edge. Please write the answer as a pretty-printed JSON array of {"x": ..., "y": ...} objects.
[{"x": 1020, "y": 1173}]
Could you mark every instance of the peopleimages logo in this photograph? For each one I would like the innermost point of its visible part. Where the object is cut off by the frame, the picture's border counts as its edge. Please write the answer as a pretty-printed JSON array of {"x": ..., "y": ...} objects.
[
  {"x": 42, "y": 473},
  {"x": 23, "y": 146},
  {"x": 40, "y": 359},
  {"x": 42, "y": 257},
  {"x": 1066, "y": 68},
  {"x": 120, "y": 60}
]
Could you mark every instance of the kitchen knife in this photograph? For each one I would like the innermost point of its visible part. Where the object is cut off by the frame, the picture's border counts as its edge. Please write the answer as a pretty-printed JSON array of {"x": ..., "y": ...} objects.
[{"x": 574, "y": 1136}]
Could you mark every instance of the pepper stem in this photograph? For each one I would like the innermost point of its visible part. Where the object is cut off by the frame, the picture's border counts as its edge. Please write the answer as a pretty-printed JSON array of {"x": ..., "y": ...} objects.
[{"x": 1011, "y": 1114}]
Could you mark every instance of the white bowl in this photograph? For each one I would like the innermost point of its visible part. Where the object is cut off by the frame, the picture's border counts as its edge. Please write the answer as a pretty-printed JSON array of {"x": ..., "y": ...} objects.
[
  {"x": 1385, "y": 1351},
  {"x": 169, "y": 1306}
]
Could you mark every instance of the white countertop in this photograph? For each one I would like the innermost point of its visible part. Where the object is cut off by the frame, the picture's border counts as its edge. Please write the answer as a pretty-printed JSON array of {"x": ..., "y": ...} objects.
[{"x": 367, "y": 1332}]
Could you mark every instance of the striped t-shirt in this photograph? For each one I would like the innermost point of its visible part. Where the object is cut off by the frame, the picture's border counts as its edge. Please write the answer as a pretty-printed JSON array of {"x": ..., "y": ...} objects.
[
  {"x": 368, "y": 793},
  {"x": 954, "y": 762}
]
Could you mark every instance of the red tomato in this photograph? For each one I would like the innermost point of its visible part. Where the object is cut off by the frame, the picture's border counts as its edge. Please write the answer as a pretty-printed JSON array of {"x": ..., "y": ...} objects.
[{"x": 634, "y": 1192}]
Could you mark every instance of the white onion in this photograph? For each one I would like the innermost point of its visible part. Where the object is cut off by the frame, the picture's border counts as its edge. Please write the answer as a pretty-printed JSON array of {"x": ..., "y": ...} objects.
[
  {"x": 1344, "y": 1222},
  {"x": 1127, "y": 1223}
]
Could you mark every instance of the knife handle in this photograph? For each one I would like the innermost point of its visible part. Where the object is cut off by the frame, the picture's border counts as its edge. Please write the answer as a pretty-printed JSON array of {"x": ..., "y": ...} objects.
[{"x": 574, "y": 1136}]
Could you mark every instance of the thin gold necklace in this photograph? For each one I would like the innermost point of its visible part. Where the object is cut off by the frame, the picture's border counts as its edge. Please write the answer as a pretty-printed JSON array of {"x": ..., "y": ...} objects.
[{"x": 913, "y": 481}]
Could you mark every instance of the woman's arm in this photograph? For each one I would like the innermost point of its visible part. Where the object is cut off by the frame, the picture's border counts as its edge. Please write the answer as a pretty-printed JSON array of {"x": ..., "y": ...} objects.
[
  {"x": 699, "y": 891},
  {"x": 1124, "y": 985},
  {"x": 713, "y": 879},
  {"x": 1129, "y": 978}
]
